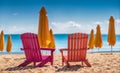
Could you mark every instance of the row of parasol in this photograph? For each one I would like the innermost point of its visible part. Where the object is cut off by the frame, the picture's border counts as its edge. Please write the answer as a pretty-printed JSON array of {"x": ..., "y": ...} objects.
[
  {"x": 97, "y": 41},
  {"x": 9, "y": 42}
]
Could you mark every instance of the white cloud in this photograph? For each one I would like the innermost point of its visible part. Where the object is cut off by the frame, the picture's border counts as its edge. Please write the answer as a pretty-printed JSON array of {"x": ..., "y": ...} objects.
[
  {"x": 98, "y": 22},
  {"x": 68, "y": 27},
  {"x": 18, "y": 29},
  {"x": 117, "y": 21},
  {"x": 105, "y": 25},
  {"x": 63, "y": 27},
  {"x": 72, "y": 26}
]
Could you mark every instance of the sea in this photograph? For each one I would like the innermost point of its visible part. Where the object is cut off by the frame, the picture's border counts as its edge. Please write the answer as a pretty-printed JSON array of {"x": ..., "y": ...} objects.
[{"x": 61, "y": 41}]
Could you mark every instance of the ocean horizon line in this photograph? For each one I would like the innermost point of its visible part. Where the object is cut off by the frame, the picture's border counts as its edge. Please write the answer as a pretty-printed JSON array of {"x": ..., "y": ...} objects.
[
  {"x": 57, "y": 34},
  {"x": 22, "y": 52}
]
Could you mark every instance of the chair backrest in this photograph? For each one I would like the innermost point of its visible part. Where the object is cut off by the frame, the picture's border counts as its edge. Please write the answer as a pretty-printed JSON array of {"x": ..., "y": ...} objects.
[
  {"x": 77, "y": 46},
  {"x": 31, "y": 46}
]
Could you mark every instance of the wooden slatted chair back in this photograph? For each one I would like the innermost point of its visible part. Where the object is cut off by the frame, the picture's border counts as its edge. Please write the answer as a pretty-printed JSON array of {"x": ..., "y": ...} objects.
[
  {"x": 77, "y": 47},
  {"x": 31, "y": 47}
]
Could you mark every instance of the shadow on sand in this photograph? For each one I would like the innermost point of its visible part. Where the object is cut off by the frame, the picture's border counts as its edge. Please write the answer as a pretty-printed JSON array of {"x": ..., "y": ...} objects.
[
  {"x": 71, "y": 68},
  {"x": 19, "y": 68}
]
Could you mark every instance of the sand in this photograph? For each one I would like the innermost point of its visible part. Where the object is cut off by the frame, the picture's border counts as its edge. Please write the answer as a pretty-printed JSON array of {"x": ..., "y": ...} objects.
[{"x": 101, "y": 63}]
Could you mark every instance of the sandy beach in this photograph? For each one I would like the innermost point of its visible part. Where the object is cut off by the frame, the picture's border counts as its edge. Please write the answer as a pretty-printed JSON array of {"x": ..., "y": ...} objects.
[{"x": 101, "y": 63}]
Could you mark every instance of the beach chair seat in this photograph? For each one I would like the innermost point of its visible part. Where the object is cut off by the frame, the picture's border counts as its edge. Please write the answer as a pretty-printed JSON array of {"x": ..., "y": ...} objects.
[
  {"x": 32, "y": 51},
  {"x": 77, "y": 49}
]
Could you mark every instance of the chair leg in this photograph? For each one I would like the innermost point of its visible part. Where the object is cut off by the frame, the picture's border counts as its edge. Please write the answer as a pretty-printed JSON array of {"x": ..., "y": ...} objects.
[
  {"x": 51, "y": 58},
  {"x": 82, "y": 63},
  {"x": 62, "y": 62},
  {"x": 68, "y": 65},
  {"x": 51, "y": 62},
  {"x": 43, "y": 62},
  {"x": 34, "y": 64},
  {"x": 87, "y": 63},
  {"x": 24, "y": 63},
  {"x": 66, "y": 61}
]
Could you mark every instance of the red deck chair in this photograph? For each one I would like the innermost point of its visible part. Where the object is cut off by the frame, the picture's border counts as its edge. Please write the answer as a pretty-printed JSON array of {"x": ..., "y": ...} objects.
[
  {"x": 77, "y": 49},
  {"x": 33, "y": 51}
]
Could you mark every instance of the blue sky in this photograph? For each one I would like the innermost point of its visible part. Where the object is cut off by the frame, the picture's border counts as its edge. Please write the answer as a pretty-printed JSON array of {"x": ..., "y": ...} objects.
[{"x": 65, "y": 16}]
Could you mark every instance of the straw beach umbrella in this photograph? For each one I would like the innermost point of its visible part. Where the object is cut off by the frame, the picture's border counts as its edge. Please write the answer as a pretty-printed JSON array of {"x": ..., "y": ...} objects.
[
  {"x": 98, "y": 38},
  {"x": 111, "y": 33},
  {"x": 91, "y": 43},
  {"x": 9, "y": 44},
  {"x": 52, "y": 43},
  {"x": 2, "y": 41},
  {"x": 43, "y": 29}
]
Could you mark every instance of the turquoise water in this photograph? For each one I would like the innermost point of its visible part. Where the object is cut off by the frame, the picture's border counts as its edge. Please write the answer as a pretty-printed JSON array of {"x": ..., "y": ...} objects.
[{"x": 61, "y": 42}]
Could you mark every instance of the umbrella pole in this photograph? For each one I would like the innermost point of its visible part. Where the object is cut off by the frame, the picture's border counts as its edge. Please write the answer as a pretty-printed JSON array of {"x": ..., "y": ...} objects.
[
  {"x": 111, "y": 50},
  {"x": 91, "y": 50}
]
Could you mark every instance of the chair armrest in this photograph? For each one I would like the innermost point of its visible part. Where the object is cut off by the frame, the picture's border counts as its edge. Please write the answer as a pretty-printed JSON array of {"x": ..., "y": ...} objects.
[
  {"x": 50, "y": 49},
  {"x": 62, "y": 50}
]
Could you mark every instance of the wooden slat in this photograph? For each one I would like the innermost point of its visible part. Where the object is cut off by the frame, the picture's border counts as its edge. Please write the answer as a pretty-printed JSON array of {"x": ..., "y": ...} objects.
[
  {"x": 75, "y": 47},
  {"x": 33, "y": 47},
  {"x": 86, "y": 42},
  {"x": 78, "y": 44},
  {"x": 81, "y": 46},
  {"x": 72, "y": 47},
  {"x": 69, "y": 52},
  {"x": 82, "y": 51}
]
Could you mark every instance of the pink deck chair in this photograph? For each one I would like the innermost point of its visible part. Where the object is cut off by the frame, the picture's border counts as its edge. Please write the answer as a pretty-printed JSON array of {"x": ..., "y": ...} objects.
[
  {"x": 33, "y": 51},
  {"x": 77, "y": 49}
]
